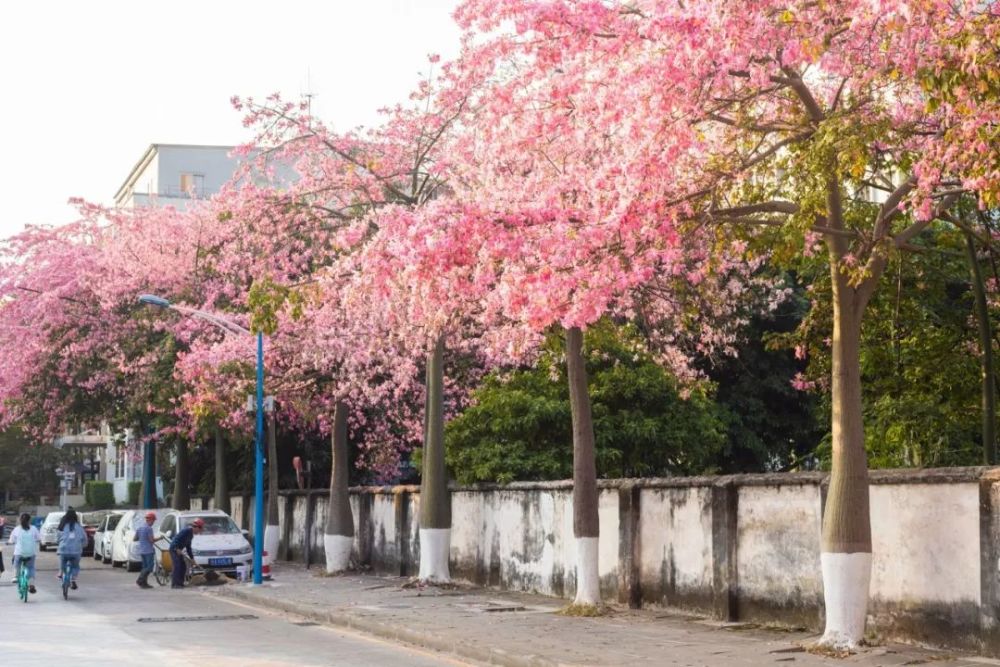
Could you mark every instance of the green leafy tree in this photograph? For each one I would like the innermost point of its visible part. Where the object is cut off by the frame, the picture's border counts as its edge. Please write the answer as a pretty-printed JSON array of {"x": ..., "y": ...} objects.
[
  {"x": 770, "y": 425},
  {"x": 645, "y": 422},
  {"x": 27, "y": 470},
  {"x": 919, "y": 358}
]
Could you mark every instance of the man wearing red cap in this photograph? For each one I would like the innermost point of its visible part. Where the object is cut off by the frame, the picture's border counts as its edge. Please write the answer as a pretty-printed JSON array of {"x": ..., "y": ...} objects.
[
  {"x": 182, "y": 542},
  {"x": 144, "y": 536}
]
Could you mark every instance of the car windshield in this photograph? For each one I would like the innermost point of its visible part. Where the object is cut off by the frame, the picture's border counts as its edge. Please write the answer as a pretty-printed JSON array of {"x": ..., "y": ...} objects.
[
  {"x": 93, "y": 518},
  {"x": 53, "y": 518},
  {"x": 214, "y": 525}
]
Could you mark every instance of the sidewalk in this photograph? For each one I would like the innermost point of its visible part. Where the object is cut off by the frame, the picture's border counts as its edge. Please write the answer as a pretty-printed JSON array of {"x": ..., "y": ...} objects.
[{"x": 521, "y": 630}]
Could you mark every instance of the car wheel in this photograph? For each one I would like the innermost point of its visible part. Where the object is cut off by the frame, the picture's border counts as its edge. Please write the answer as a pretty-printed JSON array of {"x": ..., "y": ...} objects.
[
  {"x": 43, "y": 547},
  {"x": 117, "y": 563},
  {"x": 132, "y": 566},
  {"x": 105, "y": 559}
]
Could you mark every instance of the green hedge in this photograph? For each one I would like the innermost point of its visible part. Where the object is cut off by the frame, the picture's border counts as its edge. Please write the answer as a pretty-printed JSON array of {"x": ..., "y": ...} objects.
[
  {"x": 99, "y": 495},
  {"x": 134, "y": 489}
]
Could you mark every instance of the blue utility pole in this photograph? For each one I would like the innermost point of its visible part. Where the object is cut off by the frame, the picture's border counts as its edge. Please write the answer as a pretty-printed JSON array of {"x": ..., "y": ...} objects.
[
  {"x": 258, "y": 512},
  {"x": 233, "y": 328}
]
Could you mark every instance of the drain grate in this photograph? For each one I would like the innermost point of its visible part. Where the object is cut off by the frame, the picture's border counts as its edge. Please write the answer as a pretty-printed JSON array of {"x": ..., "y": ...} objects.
[
  {"x": 492, "y": 607},
  {"x": 178, "y": 619}
]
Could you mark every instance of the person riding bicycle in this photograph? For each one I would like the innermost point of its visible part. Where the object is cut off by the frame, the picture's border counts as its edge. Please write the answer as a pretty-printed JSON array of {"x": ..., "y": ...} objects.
[
  {"x": 144, "y": 536},
  {"x": 26, "y": 539},
  {"x": 182, "y": 542},
  {"x": 72, "y": 539}
]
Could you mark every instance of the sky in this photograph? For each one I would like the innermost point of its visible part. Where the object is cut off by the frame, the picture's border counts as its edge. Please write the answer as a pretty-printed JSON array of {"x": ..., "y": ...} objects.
[{"x": 87, "y": 86}]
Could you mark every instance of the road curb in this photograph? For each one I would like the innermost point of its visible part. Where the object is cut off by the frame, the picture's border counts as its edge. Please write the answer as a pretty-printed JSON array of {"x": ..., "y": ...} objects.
[{"x": 457, "y": 646}]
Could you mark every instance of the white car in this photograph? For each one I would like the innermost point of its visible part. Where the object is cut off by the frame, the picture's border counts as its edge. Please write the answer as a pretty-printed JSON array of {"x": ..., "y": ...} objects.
[
  {"x": 50, "y": 530},
  {"x": 102, "y": 536},
  {"x": 221, "y": 546},
  {"x": 124, "y": 550}
]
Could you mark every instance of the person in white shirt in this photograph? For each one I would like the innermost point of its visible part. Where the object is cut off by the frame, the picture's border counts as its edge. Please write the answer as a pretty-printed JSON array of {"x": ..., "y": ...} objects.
[{"x": 26, "y": 539}]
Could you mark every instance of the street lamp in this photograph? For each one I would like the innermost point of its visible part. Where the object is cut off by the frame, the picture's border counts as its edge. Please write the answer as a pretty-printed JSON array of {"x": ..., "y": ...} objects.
[{"x": 233, "y": 328}]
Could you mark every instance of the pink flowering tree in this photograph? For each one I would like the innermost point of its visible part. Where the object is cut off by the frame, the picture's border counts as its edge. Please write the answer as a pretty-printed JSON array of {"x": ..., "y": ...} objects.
[
  {"x": 326, "y": 192},
  {"x": 94, "y": 356},
  {"x": 857, "y": 122},
  {"x": 565, "y": 234}
]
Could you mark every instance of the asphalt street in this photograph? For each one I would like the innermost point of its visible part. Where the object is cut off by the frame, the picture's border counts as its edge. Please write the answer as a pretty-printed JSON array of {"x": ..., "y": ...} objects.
[{"x": 100, "y": 625}]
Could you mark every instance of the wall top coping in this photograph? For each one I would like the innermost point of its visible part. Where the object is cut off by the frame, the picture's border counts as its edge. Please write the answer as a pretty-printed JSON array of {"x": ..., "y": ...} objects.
[{"x": 894, "y": 476}]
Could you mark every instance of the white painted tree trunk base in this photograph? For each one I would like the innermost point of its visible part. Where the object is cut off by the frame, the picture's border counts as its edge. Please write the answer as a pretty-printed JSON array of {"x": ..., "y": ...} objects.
[
  {"x": 846, "y": 578},
  {"x": 588, "y": 581},
  {"x": 435, "y": 550},
  {"x": 272, "y": 537},
  {"x": 338, "y": 552}
]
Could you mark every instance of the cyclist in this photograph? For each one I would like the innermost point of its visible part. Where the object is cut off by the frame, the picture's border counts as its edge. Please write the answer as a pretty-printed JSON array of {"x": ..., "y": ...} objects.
[
  {"x": 26, "y": 539},
  {"x": 180, "y": 543},
  {"x": 72, "y": 539}
]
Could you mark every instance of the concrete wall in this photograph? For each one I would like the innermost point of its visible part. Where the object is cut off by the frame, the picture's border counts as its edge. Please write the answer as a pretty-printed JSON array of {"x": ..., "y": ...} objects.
[{"x": 742, "y": 547}]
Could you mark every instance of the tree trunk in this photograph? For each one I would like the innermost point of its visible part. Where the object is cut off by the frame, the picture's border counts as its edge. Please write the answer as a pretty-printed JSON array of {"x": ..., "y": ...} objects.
[
  {"x": 221, "y": 475},
  {"x": 272, "y": 533},
  {"x": 986, "y": 355},
  {"x": 435, "y": 501},
  {"x": 847, "y": 544},
  {"x": 338, "y": 537},
  {"x": 147, "y": 493},
  {"x": 182, "y": 477},
  {"x": 586, "y": 526}
]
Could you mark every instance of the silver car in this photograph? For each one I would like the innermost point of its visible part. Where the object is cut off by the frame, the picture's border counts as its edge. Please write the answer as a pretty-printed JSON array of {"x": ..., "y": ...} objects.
[{"x": 50, "y": 530}]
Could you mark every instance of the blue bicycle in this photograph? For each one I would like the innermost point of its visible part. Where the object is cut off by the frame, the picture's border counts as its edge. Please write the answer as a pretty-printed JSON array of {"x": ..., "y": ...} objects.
[
  {"x": 22, "y": 580},
  {"x": 67, "y": 577}
]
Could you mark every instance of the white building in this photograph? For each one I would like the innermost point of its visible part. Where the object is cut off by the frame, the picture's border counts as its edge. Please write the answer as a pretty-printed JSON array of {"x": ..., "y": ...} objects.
[{"x": 171, "y": 174}]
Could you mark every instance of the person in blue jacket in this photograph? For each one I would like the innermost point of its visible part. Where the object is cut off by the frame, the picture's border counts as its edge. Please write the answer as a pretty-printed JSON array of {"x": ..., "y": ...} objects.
[
  {"x": 72, "y": 539},
  {"x": 182, "y": 542}
]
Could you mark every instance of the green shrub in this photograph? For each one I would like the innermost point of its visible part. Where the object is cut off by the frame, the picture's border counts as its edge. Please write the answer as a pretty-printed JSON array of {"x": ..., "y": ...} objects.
[
  {"x": 99, "y": 495},
  {"x": 134, "y": 489}
]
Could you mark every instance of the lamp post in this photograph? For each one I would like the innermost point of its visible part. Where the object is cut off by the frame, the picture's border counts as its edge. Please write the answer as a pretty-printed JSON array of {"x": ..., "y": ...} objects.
[{"x": 233, "y": 328}]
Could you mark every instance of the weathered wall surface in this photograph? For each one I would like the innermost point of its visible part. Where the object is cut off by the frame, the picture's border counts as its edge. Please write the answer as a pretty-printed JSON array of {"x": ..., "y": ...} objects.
[
  {"x": 743, "y": 547},
  {"x": 778, "y": 547},
  {"x": 926, "y": 579},
  {"x": 675, "y": 546},
  {"x": 521, "y": 537}
]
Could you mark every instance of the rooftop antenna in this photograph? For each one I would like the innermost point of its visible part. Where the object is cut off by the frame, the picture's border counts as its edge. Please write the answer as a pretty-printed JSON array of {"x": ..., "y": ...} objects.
[{"x": 309, "y": 95}]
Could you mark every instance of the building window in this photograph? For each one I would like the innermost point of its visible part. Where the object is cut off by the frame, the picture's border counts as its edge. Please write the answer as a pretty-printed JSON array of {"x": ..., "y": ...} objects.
[
  {"x": 192, "y": 185},
  {"x": 121, "y": 458}
]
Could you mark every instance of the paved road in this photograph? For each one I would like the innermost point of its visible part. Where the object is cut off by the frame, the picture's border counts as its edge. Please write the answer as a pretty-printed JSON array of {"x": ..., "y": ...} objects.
[{"x": 99, "y": 626}]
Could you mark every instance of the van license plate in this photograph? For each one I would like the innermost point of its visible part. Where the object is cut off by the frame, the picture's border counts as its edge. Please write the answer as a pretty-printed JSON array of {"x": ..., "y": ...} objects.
[{"x": 219, "y": 562}]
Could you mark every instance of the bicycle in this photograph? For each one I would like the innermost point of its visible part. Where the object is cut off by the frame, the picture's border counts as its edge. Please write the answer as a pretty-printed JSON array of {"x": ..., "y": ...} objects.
[
  {"x": 161, "y": 573},
  {"x": 22, "y": 580},
  {"x": 67, "y": 578}
]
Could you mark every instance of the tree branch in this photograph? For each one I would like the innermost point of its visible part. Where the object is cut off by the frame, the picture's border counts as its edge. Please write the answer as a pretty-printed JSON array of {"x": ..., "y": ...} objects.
[{"x": 795, "y": 82}]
